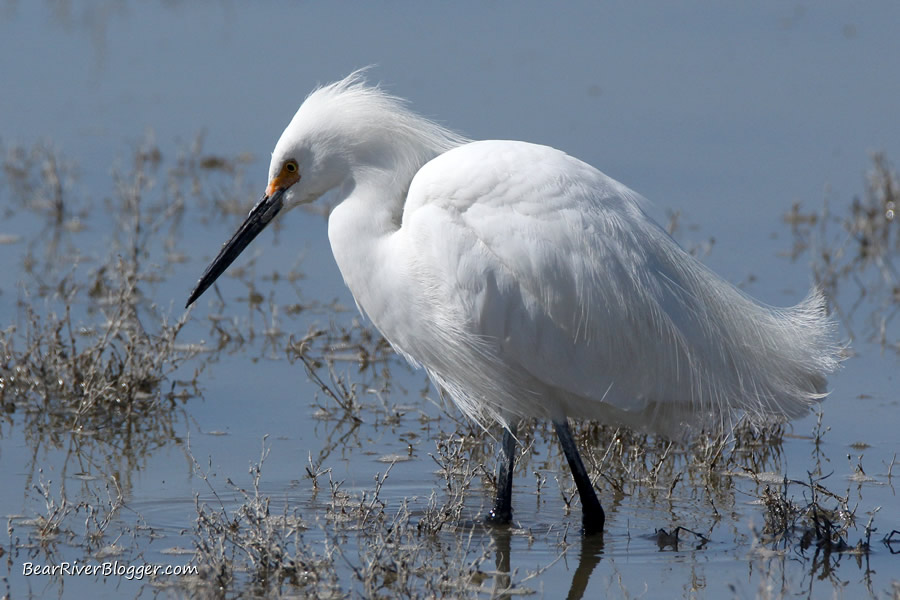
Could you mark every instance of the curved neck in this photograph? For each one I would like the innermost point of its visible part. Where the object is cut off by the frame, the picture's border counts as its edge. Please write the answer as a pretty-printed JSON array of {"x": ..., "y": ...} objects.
[
  {"x": 370, "y": 211},
  {"x": 358, "y": 229}
]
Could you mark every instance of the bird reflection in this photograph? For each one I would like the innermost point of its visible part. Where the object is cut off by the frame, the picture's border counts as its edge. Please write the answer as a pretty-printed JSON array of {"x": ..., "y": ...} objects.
[{"x": 590, "y": 552}]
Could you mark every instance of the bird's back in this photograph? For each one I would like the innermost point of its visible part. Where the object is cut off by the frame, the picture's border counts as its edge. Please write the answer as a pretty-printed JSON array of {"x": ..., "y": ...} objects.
[{"x": 538, "y": 287}]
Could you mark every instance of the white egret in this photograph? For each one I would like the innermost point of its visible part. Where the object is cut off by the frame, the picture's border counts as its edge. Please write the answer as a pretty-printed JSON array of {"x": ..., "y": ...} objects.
[{"x": 529, "y": 284}]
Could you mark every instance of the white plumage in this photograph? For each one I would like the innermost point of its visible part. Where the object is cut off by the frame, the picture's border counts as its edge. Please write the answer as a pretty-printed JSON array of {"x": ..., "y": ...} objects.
[{"x": 528, "y": 283}]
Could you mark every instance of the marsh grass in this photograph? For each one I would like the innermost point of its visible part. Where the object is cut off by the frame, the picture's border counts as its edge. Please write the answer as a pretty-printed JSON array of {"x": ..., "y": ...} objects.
[
  {"x": 388, "y": 550},
  {"x": 852, "y": 248},
  {"x": 89, "y": 368},
  {"x": 399, "y": 547},
  {"x": 89, "y": 358}
]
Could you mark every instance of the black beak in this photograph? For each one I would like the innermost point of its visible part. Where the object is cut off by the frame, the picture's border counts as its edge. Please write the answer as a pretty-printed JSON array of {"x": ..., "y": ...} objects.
[{"x": 261, "y": 215}]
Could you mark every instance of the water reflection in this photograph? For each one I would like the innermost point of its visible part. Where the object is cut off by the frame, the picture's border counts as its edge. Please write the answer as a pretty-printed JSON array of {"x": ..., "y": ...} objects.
[
  {"x": 589, "y": 555},
  {"x": 590, "y": 552},
  {"x": 501, "y": 536}
]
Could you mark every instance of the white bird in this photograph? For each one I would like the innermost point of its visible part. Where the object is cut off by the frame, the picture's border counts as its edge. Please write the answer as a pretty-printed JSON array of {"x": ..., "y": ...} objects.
[{"x": 529, "y": 284}]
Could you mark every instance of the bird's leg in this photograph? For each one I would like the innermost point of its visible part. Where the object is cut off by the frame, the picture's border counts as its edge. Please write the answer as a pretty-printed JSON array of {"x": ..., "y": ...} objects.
[
  {"x": 502, "y": 511},
  {"x": 592, "y": 518}
]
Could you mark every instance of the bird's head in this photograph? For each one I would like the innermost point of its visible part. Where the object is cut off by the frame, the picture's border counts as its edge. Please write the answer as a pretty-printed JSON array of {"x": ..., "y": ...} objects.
[
  {"x": 310, "y": 158},
  {"x": 341, "y": 131}
]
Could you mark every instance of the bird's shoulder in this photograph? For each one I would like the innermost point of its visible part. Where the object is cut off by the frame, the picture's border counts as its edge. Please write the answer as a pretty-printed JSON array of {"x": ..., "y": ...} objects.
[
  {"x": 513, "y": 177},
  {"x": 498, "y": 188},
  {"x": 496, "y": 173}
]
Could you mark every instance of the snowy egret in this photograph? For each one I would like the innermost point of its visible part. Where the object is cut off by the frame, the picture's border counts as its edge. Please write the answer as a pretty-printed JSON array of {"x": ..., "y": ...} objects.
[{"x": 529, "y": 284}]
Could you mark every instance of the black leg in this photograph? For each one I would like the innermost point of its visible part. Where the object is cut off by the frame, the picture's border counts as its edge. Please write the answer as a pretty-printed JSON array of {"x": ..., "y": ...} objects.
[
  {"x": 502, "y": 511},
  {"x": 592, "y": 513}
]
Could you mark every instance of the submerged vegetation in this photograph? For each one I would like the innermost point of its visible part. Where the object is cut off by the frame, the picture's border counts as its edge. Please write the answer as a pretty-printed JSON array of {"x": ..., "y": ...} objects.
[{"x": 92, "y": 368}]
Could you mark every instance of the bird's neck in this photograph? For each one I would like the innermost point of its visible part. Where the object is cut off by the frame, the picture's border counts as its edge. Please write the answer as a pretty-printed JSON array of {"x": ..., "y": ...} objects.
[{"x": 359, "y": 229}]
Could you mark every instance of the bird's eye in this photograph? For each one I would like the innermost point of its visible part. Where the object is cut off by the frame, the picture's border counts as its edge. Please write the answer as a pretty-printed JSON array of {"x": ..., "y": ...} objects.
[{"x": 290, "y": 166}]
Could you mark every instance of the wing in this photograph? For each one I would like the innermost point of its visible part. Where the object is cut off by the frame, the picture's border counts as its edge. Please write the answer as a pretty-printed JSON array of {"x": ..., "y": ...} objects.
[{"x": 579, "y": 304}]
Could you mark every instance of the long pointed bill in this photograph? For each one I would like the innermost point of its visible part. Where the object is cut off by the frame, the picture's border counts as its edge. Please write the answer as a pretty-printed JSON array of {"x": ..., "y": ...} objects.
[{"x": 261, "y": 215}]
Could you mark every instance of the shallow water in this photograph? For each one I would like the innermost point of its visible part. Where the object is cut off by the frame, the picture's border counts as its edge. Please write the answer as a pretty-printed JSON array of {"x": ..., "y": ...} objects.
[{"x": 728, "y": 117}]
